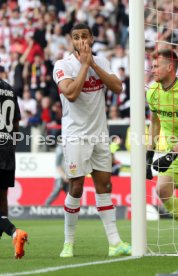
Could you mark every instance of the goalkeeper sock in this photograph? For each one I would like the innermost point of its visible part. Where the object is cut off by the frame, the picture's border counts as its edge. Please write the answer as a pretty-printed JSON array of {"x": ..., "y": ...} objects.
[
  {"x": 107, "y": 214},
  {"x": 71, "y": 210},
  {"x": 172, "y": 206}
]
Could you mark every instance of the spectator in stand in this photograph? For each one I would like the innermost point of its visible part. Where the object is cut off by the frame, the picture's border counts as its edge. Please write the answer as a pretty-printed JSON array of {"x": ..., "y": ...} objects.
[
  {"x": 124, "y": 98},
  {"x": 4, "y": 58},
  {"x": 28, "y": 107},
  {"x": 3, "y": 74},
  {"x": 113, "y": 112},
  {"x": 57, "y": 43},
  {"x": 29, "y": 28},
  {"x": 119, "y": 58},
  {"x": 38, "y": 73},
  {"x": 46, "y": 110},
  {"x": 26, "y": 5},
  {"x": 123, "y": 22},
  {"x": 17, "y": 23},
  {"x": 99, "y": 31},
  {"x": 54, "y": 127},
  {"x": 15, "y": 73},
  {"x": 40, "y": 33},
  {"x": 5, "y": 33},
  {"x": 32, "y": 49}
]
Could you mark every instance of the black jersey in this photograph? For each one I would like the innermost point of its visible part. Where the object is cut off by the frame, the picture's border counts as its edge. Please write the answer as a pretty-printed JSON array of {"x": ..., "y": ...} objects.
[{"x": 9, "y": 113}]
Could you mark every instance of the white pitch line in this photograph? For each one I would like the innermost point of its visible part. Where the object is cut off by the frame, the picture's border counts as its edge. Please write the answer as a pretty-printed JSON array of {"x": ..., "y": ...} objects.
[{"x": 56, "y": 268}]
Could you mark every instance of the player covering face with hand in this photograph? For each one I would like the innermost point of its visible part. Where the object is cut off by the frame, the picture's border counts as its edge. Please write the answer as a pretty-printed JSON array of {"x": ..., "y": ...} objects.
[
  {"x": 162, "y": 98},
  {"x": 82, "y": 80}
]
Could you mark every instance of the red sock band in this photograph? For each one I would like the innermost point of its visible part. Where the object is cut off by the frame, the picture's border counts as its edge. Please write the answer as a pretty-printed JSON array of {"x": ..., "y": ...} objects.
[
  {"x": 105, "y": 208},
  {"x": 72, "y": 211}
]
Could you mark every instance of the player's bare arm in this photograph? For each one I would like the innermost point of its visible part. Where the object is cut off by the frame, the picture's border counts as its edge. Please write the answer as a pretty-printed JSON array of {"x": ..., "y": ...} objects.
[
  {"x": 72, "y": 88},
  {"x": 111, "y": 81}
]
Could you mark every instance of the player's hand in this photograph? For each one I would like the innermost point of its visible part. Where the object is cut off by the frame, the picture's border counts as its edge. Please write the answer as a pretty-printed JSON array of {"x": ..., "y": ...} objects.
[
  {"x": 163, "y": 163},
  {"x": 149, "y": 160},
  {"x": 84, "y": 54}
]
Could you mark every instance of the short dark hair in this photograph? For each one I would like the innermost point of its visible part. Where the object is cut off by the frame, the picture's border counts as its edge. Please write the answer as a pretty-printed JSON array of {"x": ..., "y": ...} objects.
[
  {"x": 167, "y": 54},
  {"x": 81, "y": 26}
]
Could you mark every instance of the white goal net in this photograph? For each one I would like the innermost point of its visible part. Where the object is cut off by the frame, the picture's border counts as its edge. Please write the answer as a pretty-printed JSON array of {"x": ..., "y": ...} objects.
[{"x": 161, "y": 32}]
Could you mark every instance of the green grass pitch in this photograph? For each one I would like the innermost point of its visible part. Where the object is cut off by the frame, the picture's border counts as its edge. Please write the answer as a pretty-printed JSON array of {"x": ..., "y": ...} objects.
[{"x": 46, "y": 240}]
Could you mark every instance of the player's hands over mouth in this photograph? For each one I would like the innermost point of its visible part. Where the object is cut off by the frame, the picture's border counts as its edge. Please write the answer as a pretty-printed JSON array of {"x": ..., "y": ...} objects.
[{"x": 85, "y": 54}]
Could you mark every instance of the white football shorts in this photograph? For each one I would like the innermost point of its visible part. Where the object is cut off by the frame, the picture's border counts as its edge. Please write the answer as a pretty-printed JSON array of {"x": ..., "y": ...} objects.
[{"x": 82, "y": 157}]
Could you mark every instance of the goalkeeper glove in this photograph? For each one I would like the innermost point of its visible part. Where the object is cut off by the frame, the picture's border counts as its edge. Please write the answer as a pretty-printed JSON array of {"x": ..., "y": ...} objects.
[
  {"x": 163, "y": 163},
  {"x": 149, "y": 161}
]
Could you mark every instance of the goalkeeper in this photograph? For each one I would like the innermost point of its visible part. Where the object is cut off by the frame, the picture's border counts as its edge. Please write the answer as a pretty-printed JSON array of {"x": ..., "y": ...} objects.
[{"x": 162, "y": 98}]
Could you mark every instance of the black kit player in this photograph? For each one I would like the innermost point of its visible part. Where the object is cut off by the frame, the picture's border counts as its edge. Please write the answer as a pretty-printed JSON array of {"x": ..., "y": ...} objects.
[{"x": 9, "y": 118}]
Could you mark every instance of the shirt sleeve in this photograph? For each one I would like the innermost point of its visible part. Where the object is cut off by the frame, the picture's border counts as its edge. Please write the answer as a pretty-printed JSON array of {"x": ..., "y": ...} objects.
[
  {"x": 61, "y": 71},
  {"x": 150, "y": 97}
]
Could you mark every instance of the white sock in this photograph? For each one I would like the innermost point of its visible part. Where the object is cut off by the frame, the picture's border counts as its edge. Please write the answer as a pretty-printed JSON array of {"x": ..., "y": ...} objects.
[
  {"x": 14, "y": 234},
  {"x": 107, "y": 214},
  {"x": 72, "y": 208}
]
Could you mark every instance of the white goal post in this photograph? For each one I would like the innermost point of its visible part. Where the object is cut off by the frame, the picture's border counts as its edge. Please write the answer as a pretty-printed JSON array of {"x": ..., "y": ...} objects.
[{"x": 137, "y": 95}]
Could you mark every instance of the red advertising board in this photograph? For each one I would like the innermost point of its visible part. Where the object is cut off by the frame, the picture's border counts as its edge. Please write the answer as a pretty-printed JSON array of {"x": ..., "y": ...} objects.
[{"x": 34, "y": 191}]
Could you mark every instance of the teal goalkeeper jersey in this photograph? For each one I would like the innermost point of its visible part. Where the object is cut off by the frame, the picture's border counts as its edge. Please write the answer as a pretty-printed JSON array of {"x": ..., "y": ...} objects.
[{"x": 165, "y": 104}]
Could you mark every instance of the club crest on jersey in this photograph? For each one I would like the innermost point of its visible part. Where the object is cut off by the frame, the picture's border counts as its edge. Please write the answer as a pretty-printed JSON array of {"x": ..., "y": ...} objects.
[
  {"x": 73, "y": 168},
  {"x": 92, "y": 80},
  {"x": 60, "y": 74}
]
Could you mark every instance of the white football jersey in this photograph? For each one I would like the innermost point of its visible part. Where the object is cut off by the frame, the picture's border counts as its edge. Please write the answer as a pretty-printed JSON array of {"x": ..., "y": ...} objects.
[{"x": 86, "y": 116}]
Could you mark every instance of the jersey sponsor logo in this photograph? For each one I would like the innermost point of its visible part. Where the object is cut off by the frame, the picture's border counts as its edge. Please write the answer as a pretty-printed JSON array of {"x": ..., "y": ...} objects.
[
  {"x": 167, "y": 113},
  {"x": 59, "y": 74},
  {"x": 92, "y": 85}
]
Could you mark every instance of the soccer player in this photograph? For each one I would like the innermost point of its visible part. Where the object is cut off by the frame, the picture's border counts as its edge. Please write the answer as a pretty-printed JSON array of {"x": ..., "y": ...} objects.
[
  {"x": 9, "y": 117},
  {"x": 82, "y": 79},
  {"x": 60, "y": 182},
  {"x": 162, "y": 98}
]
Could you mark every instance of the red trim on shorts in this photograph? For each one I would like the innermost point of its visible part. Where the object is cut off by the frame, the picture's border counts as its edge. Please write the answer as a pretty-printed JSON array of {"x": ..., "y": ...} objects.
[
  {"x": 105, "y": 208},
  {"x": 72, "y": 211}
]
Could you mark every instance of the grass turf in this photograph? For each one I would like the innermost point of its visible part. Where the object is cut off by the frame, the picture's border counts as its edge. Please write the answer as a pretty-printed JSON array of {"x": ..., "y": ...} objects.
[{"x": 46, "y": 241}]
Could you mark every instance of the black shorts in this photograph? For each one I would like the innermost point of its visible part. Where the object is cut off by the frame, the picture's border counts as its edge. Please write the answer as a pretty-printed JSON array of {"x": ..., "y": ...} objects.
[{"x": 7, "y": 179}]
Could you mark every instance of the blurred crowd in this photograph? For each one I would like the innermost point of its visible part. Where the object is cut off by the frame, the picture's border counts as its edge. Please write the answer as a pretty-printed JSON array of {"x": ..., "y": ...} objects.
[
  {"x": 161, "y": 29},
  {"x": 35, "y": 33}
]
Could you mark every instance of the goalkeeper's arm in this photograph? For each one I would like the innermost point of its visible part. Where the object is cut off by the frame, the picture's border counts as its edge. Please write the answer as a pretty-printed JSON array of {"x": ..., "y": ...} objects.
[{"x": 154, "y": 130}]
